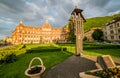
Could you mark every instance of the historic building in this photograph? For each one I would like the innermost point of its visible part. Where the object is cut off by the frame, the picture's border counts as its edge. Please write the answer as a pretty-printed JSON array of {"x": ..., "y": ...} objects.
[
  {"x": 8, "y": 39},
  {"x": 112, "y": 30},
  {"x": 34, "y": 34},
  {"x": 88, "y": 34}
]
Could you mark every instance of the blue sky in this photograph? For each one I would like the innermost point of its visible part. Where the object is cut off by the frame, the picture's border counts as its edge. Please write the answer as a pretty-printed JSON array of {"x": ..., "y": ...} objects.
[{"x": 35, "y": 12}]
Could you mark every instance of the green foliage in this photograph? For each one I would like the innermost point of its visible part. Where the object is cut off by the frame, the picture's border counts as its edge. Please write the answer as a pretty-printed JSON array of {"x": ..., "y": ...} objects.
[
  {"x": 106, "y": 73},
  {"x": 98, "y": 21},
  {"x": 100, "y": 46},
  {"x": 8, "y": 55},
  {"x": 71, "y": 37},
  {"x": 24, "y": 46},
  {"x": 95, "y": 49},
  {"x": 17, "y": 69},
  {"x": 97, "y": 35},
  {"x": 8, "y": 58},
  {"x": 96, "y": 52},
  {"x": 43, "y": 49}
]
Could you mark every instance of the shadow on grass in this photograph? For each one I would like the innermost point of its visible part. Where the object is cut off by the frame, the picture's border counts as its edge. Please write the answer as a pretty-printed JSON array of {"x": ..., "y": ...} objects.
[{"x": 44, "y": 49}]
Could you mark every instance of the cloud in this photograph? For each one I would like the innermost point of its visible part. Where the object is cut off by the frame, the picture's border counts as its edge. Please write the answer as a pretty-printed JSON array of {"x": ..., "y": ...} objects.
[
  {"x": 116, "y": 12},
  {"x": 33, "y": 7},
  {"x": 5, "y": 31},
  {"x": 35, "y": 12},
  {"x": 7, "y": 21},
  {"x": 50, "y": 18}
]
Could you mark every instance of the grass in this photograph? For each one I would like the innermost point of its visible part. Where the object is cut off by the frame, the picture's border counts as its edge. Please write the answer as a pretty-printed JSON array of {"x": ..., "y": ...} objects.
[
  {"x": 98, "y": 52},
  {"x": 50, "y": 59},
  {"x": 96, "y": 49},
  {"x": 16, "y": 69}
]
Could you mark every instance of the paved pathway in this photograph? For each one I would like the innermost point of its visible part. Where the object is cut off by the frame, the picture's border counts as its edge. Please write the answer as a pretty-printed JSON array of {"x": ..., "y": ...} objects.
[{"x": 71, "y": 67}]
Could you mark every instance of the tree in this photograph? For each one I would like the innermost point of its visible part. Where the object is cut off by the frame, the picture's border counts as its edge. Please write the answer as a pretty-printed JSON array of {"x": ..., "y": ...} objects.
[
  {"x": 97, "y": 35},
  {"x": 71, "y": 37}
]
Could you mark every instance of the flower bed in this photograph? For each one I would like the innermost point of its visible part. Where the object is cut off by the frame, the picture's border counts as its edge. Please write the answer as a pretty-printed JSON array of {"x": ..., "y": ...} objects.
[{"x": 106, "y": 73}]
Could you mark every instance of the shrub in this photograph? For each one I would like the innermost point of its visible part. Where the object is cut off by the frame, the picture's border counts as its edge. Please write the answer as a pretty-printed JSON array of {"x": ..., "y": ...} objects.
[
  {"x": 24, "y": 46},
  {"x": 63, "y": 49},
  {"x": 100, "y": 46},
  {"x": 43, "y": 50},
  {"x": 10, "y": 58},
  {"x": 106, "y": 73},
  {"x": 1, "y": 61}
]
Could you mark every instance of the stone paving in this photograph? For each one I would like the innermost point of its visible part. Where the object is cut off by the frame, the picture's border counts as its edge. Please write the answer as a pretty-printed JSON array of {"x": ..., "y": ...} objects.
[{"x": 72, "y": 66}]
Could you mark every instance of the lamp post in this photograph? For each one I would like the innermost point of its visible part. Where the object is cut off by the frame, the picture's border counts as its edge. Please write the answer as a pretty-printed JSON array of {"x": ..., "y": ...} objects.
[{"x": 77, "y": 20}]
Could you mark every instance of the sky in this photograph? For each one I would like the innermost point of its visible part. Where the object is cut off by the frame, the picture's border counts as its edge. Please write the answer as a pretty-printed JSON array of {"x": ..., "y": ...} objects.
[{"x": 35, "y": 12}]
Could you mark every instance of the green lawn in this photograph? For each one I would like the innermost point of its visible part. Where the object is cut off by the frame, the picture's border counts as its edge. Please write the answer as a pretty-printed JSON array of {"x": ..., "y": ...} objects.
[
  {"x": 16, "y": 69},
  {"x": 98, "y": 52},
  {"x": 50, "y": 58},
  {"x": 96, "y": 49}
]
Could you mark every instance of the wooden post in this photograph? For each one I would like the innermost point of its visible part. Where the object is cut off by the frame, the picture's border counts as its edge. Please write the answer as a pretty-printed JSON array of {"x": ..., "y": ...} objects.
[{"x": 77, "y": 19}]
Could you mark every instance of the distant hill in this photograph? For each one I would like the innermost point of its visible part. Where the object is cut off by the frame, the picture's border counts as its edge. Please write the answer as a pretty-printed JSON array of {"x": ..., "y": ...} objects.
[{"x": 98, "y": 21}]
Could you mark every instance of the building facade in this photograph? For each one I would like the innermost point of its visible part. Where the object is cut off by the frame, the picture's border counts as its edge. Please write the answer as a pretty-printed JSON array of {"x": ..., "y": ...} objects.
[
  {"x": 8, "y": 39},
  {"x": 88, "y": 34},
  {"x": 112, "y": 30},
  {"x": 46, "y": 34}
]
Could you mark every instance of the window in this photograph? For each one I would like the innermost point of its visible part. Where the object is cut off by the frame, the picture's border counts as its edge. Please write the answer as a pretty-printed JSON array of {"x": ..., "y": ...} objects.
[
  {"x": 47, "y": 37},
  {"x": 105, "y": 33},
  {"x": 111, "y": 27},
  {"x": 20, "y": 31},
  {"x": 112, "y": 37},
  {"x": 117, "y": 24},
  {"x": 111, "y": 32},
  {"x": 105, "y": 37},
  {"x": 118, "y": 30}
]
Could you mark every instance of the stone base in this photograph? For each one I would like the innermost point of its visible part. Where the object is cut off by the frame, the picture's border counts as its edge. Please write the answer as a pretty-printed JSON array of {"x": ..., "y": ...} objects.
[
  {"x": 83, "y": 75},
  {"x": 80, "y": 55}
]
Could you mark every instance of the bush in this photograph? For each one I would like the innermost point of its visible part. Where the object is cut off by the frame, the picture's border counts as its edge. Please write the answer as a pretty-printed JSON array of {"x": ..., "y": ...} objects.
[
  {"x": 100, "y": 46},
  {"x": 8, "y": 58},
  {"x": 24, "y": 46},
  {"x": 1, "y": 61},
  {"x": 63, "y": 49},
  {"x": 106, "y": 73},
  {"x": 43, "y": 50}
]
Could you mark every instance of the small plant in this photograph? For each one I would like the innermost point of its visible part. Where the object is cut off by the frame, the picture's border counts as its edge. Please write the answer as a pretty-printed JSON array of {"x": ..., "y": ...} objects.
[
  {"x": 107, "y": 73},
  {"x": 24, "y": 46}
]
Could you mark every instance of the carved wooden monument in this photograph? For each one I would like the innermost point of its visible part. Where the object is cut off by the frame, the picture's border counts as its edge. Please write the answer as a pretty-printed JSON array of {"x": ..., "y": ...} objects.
[{"x": 77, "y": 20}]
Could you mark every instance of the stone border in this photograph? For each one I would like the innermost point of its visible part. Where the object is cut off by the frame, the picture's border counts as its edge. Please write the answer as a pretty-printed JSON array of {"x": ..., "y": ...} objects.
[{"x": 83, "y": 75}]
